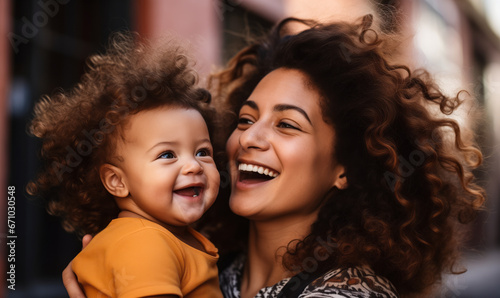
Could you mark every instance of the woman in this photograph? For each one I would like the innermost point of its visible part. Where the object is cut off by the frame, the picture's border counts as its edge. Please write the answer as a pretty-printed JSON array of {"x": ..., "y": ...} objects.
[{"x": 345, "y": 175}]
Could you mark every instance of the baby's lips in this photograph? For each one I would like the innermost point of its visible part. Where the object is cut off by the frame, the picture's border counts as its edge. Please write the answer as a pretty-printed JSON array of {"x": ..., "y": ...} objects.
[{"x": 192, "y": 191}]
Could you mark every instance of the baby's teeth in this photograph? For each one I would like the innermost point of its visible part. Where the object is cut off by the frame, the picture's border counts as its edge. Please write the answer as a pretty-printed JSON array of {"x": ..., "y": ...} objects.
[
  {"x": 261, "y": 170},
  {"x": 266, "y": 171}
]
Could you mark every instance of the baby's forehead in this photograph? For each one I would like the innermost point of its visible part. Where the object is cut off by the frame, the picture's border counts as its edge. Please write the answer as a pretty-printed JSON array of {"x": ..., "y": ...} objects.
[{"x": 165, "y": 122}]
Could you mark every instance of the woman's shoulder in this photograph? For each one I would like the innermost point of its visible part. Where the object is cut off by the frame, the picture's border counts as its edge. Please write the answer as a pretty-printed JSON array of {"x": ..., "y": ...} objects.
[
  {"x": 350, "y": 282},
  {"x": 354, "y": 282}
]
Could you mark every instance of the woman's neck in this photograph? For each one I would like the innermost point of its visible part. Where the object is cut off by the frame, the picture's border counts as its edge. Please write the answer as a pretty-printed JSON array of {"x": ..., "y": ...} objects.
[{"x": 267, "y": 244}]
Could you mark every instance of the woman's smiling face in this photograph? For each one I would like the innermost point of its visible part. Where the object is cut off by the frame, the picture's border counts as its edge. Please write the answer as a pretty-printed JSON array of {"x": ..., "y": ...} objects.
[{"x": 281, "y": 154}]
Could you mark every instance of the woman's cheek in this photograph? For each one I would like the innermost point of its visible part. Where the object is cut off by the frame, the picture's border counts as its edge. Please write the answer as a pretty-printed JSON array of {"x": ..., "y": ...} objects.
[{"x": 232, "y": 143}]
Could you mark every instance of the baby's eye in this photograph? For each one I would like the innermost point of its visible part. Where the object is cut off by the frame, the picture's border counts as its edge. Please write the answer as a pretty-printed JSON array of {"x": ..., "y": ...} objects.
[
  {"x": 204, "y": 152},
  {"x": 167, "y": 155}
]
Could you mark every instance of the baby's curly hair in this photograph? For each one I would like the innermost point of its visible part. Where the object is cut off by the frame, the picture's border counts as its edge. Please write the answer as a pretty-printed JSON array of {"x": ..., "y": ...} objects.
[
  {"x": 408, "y": 166},
  {"x": 78, "y": 128}
]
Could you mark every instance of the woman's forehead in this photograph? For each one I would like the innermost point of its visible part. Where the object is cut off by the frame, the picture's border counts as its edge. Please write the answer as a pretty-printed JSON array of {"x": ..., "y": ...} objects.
[{"x": 286, "y": 87}]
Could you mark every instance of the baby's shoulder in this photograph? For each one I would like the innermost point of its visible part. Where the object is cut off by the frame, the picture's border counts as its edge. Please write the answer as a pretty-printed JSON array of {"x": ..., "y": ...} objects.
[{"x": 129, "y": 236}]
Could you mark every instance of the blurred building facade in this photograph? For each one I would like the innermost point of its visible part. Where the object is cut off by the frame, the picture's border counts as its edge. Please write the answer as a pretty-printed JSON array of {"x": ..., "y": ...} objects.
[{"x": 46, "y": 42}]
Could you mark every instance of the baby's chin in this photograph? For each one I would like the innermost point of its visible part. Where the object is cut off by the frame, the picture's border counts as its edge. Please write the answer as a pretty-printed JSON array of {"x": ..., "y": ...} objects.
[
  {"x": 189, "y": 212},
  {"x": 191, "y": 217}
]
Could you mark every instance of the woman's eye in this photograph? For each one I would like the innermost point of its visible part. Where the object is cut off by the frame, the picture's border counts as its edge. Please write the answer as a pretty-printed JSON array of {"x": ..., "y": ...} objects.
[
  {"x": 244, "y": 121},
  {"x": 287, "y": 125},
  {"x": 204, "y": 152},
  {"x": 167, "y": 155}
]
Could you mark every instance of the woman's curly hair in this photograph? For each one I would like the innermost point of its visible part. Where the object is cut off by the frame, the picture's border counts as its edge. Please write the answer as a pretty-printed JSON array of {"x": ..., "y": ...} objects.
[
  {"x": 408, "y": 164},
  {"x": 79, "y": 128}
]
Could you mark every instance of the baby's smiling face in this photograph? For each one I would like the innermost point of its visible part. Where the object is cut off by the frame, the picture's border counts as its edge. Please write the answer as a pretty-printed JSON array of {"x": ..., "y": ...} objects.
[{"x": 166, "y": 167}]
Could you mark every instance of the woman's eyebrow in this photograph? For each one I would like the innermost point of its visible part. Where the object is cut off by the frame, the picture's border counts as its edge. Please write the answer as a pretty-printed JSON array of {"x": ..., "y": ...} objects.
[
  {"x": 251, "y": 104},
  {"x": 284, "y": 107}
]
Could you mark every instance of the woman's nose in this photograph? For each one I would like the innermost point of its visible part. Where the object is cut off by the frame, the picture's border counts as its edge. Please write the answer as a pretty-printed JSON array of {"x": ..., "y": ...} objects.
[
  {"x": 192, "y": 166},
  {"x": 254, "y": 137}
]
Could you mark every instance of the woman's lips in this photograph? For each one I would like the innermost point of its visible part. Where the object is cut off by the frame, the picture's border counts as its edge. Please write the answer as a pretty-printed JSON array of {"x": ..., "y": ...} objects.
[{"x": 249, "y": 174}]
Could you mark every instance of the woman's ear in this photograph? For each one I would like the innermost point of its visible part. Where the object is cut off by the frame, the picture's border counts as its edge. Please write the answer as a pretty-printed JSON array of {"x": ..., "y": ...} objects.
[
  {"x": 113, "y": 180},
  {"x": 340, "y": 178}
]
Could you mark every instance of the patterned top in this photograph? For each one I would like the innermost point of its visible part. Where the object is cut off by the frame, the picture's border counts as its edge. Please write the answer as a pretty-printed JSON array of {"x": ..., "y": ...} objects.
[{"x": 356, "y": 282}]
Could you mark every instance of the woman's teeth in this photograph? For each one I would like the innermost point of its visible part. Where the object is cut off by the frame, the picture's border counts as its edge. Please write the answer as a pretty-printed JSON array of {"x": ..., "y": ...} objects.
[{"x": 257, "y": 169}]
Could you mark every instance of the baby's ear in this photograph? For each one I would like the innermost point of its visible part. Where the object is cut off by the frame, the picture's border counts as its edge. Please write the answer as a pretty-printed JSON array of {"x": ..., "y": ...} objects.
[{"x": 113, "y": 180}]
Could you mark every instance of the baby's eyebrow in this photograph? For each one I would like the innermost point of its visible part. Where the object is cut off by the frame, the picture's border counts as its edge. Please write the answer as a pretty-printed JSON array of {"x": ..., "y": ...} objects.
[
  {"x": 285, "y": 107},
  {"x": 174, "y": 143},
  {"x": 204, "y": 141},
  {"x": 161, "y": 144}
]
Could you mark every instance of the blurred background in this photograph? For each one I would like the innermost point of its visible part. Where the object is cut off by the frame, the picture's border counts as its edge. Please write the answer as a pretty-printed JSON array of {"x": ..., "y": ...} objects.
[{"x": 44, "y": 44}]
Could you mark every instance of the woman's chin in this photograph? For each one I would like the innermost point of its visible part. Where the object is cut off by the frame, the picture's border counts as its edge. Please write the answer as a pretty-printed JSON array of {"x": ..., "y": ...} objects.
[{"x": 241, "y": 208}]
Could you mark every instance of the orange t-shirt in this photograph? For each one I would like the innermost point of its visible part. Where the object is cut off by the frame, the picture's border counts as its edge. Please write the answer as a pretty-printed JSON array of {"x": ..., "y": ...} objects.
[{"x": 134, "y": 257}]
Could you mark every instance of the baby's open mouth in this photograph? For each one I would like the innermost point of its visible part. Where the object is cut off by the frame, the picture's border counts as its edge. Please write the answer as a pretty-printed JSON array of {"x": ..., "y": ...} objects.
[
  {"x": 255, "y": 173},
  {"x": 192, "y": 191}
]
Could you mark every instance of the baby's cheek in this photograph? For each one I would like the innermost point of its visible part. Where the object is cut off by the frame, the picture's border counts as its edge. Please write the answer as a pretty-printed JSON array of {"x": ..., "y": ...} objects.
[{"x": 214, "y": 176}]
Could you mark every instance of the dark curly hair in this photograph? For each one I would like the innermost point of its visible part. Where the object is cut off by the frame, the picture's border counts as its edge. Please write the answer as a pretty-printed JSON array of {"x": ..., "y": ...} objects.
[
  {"x": 79, "y": 128},
  {"x": 408, "y": 164}
]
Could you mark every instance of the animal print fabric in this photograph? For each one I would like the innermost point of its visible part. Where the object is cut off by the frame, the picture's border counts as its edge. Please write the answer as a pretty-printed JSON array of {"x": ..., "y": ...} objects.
[{"x": 357, "y": 282}]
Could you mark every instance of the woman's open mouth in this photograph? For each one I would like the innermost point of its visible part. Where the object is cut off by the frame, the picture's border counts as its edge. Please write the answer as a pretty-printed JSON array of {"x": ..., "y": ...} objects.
[{"x": 249, "y": 173}]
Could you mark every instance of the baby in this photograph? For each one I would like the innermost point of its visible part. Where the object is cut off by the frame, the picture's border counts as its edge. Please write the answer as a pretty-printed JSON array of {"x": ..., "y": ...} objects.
[{"x": 128, "y": 155}]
